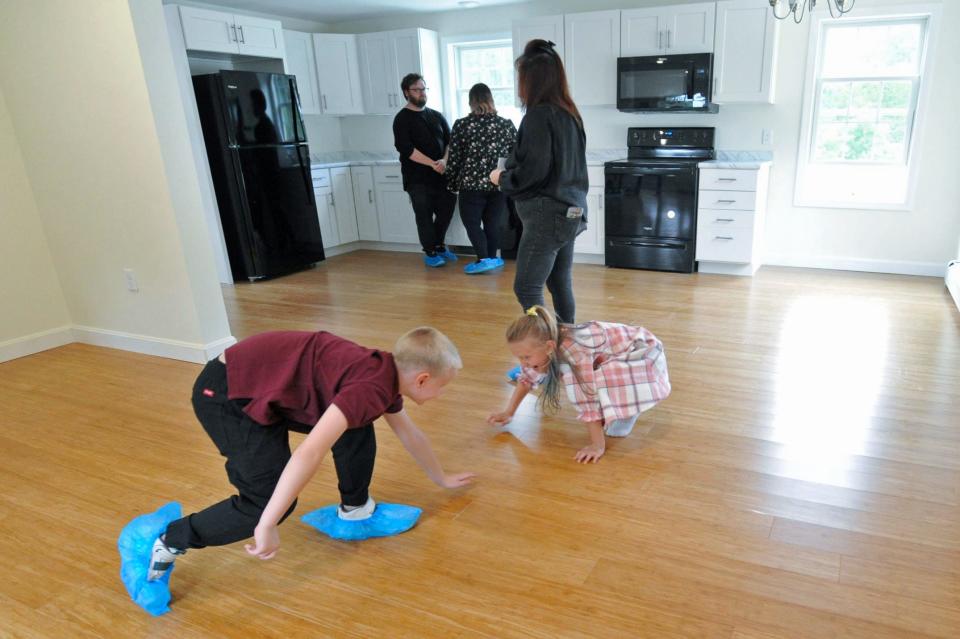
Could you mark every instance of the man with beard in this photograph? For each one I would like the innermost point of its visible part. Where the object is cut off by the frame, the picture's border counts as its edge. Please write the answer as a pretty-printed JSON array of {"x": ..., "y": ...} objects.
[{"x": 421, "y": 136}]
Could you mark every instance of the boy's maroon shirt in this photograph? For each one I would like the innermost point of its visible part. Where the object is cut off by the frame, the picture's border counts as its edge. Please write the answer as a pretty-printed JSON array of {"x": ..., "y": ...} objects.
[{"x": 297, "y": 375}]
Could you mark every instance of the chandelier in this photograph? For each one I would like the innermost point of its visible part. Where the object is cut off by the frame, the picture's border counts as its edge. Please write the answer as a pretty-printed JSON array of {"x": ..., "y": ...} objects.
[{"x": 799, "y": 8}]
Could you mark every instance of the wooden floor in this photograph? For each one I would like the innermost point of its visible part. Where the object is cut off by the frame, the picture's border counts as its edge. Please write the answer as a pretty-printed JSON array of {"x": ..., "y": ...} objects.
[{"x": 801, "y": 482}]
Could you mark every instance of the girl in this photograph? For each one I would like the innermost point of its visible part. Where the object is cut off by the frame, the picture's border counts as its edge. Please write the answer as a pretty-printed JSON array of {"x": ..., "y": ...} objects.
[
  {"x": 476, "y": 144},
  {"x": 612, "y": 373}
]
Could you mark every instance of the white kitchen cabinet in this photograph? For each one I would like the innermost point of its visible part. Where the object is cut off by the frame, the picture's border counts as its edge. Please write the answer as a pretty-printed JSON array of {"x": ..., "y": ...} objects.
[
  {"x": 345, "y": 211},
  {"x": 386, "y": 57},
  {"x": 223, "y": 32},
  {"x": 260, "y": 37},
  {"x": 325, "y": 212},
  {"x": 300, "y": 61},
  {"x": 730, "y": 215},
  {"x": 592, "y": 239},
  {"x": 457, "y": 232},
  {"x": 744, "y": 62},
  {"x": 668, "y": 30},
  {"x": 338, "y": 73},
  {"x": 397, "y": 221},
  {"x": 592, "y": 42},
  {"x": 541, "y": 27},
  {"x": 368, "y": 224}
]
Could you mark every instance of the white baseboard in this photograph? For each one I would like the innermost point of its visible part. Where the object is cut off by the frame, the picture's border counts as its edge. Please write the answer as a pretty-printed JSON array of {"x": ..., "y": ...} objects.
[
  {"x": 952, "y": 280},
  {"x": 35, "y": 343},
  {"x": 157, "y": 346},
  {"x": 895, "y": 267}
]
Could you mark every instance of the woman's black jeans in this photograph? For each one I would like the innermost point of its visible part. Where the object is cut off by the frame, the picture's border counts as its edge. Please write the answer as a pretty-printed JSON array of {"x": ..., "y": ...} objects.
[
  {"x": 490, "y": 208},
  {"x": 545, "y": 255},
  {"x": 256, "y": 455}
]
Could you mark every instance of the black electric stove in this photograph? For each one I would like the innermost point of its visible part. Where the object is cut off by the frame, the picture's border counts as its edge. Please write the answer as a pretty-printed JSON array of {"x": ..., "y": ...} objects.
[{"x": 651, "y": 198}]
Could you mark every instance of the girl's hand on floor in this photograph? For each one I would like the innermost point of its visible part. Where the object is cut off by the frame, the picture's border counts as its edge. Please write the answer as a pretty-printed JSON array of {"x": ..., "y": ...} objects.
[
  {"x": 589, "y": 454},
  {"x": 499, "y": 419}
]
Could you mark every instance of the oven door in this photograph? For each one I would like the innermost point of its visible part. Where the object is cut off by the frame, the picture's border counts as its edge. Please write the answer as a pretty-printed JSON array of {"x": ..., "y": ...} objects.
[
  {"x": 664, "y": 83},
  {"x": 652, "y": 200}
]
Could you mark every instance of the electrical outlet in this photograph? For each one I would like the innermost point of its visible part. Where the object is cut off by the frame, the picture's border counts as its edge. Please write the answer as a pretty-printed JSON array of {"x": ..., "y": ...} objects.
[
  {"x": 766, "y": 137},
  {"x": 131, "y": 279}
]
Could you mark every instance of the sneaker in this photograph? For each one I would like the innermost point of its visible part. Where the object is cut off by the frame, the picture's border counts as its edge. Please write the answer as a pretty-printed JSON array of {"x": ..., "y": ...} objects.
[
  {"x": 433, "y": 260},
  {"x": 358, "y": 513},
  {"x": 161, "y": 559},
  {"x": 514, "y": 373},
  {"x": 447, "y": 254}
]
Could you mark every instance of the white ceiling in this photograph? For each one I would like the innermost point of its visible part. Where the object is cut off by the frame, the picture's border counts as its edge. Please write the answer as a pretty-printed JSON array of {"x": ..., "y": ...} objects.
[{"x": 343, "y": 10}]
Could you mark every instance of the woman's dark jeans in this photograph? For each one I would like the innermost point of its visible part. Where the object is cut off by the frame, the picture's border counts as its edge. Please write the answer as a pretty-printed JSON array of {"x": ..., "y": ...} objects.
[
  {"x": 490, "y": 208},
  {"x": 545, "y": 255}
]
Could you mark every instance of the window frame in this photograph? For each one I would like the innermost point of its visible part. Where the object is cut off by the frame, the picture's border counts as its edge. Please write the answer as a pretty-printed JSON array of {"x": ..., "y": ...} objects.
[
  {"x": 805, "y": 194},
  {"x": 450, "y": 60}
]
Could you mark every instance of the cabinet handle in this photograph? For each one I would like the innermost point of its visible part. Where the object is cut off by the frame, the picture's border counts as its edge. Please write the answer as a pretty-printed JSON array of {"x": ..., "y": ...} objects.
[
  {"x": 659, "y": 39},
  {"x": 330, "y": 199},
  {"x": 724, "y": 219},
  {"x": 370, "y": 195},
  {"x": 242, "y": 39},
  {"x": 601, "y": 201},
  {"x": 726, "y": 179},
  {"x": 323, "y": 98},
  {"x": 392, "y": 176},
  {"x": 668, "y": 38},
  {"x": 726, "y": 201},
  {"x": 722, "y": 237}
]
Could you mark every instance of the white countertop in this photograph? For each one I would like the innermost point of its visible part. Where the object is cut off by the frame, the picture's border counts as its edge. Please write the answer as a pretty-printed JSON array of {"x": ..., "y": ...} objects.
[
  {"x": 326, "y": 160},
  {"x": 595, "y": 157}
]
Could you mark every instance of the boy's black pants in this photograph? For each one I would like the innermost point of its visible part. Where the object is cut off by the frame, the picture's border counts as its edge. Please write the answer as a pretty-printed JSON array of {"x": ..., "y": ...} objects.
[{"x": 256, "y": 456}]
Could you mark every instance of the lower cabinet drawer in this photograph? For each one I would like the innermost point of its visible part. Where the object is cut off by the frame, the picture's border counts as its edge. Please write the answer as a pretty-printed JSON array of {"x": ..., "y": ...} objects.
[
  {"x": 387, "y": 173},
  {"x": 724, "y": 244},
  {"x": 737, "y": 200},
  {"x": 725, "y": 219}
]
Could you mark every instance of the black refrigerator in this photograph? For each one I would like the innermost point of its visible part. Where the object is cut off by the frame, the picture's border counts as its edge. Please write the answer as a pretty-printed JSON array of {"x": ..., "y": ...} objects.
[{"x": 260, "y": 163}]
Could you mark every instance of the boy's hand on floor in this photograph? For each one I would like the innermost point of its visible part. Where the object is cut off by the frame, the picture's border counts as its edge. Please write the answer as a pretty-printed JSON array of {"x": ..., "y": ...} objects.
[
  {"x": 457, "y": 480},
  {"x": 267, "y": 540},
  {"x": 499, "y": 419},
  {"x": 589, "y": 454}
]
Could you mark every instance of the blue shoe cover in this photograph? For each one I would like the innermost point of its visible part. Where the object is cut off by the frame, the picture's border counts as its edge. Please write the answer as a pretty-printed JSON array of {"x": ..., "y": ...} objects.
[
  {"x": 386, "y": 520},
  {"x": 433, "y": 261},
  {"x": 135, "y": 544},
  {"x": 447, "y": 255},
  {"x": 514, "y": 373}
]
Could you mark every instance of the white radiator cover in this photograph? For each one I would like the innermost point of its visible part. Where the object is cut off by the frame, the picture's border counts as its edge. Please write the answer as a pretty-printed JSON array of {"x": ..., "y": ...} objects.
[{"x": 953, "y": 281}]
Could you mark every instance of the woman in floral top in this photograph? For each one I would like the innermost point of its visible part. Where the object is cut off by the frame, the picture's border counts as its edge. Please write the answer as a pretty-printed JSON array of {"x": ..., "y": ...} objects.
[{"x": 476, "y": 143}]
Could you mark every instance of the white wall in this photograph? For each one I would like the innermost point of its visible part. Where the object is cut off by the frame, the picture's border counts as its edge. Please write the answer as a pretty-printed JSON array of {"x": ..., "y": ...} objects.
[
  {"x": 33, "y": 304},
  {"x": 919, "y": 241},
  {"x": 76, "y": 93}
]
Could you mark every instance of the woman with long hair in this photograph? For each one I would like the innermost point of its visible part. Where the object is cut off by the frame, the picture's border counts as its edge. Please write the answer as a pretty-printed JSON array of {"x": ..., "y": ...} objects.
[
  {"x": 476, "y": 143},
  {"x": 547, "y": 177}
]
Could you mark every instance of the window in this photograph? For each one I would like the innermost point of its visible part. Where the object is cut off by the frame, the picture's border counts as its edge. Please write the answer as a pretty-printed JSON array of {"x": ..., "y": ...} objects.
[
  {"x": 861, "y": 112},
  {"x": 489, "y": 61}
]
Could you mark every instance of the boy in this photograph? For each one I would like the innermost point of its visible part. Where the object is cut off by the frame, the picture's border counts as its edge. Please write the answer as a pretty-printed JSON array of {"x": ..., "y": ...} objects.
[{"x": 249, "y": 399}]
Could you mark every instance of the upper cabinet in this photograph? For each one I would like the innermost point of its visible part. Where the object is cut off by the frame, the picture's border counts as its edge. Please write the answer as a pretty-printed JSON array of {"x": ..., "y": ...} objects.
[
  {"x": 745, "y": 55},
  {"x": 543, "y": 28},
  {"x": 668, "y": 30},
  {"x": 222, "y": 32},
  {"x": 592, "y": 42},
  {"x": 300, "y": 61},
  {"x": 386, "y": 57},
  {"x": 338, "y": 73}
]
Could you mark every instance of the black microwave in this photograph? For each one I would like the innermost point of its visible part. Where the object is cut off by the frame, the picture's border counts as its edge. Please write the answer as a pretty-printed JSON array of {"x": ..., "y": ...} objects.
[{"x": 666, "y": 83}]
